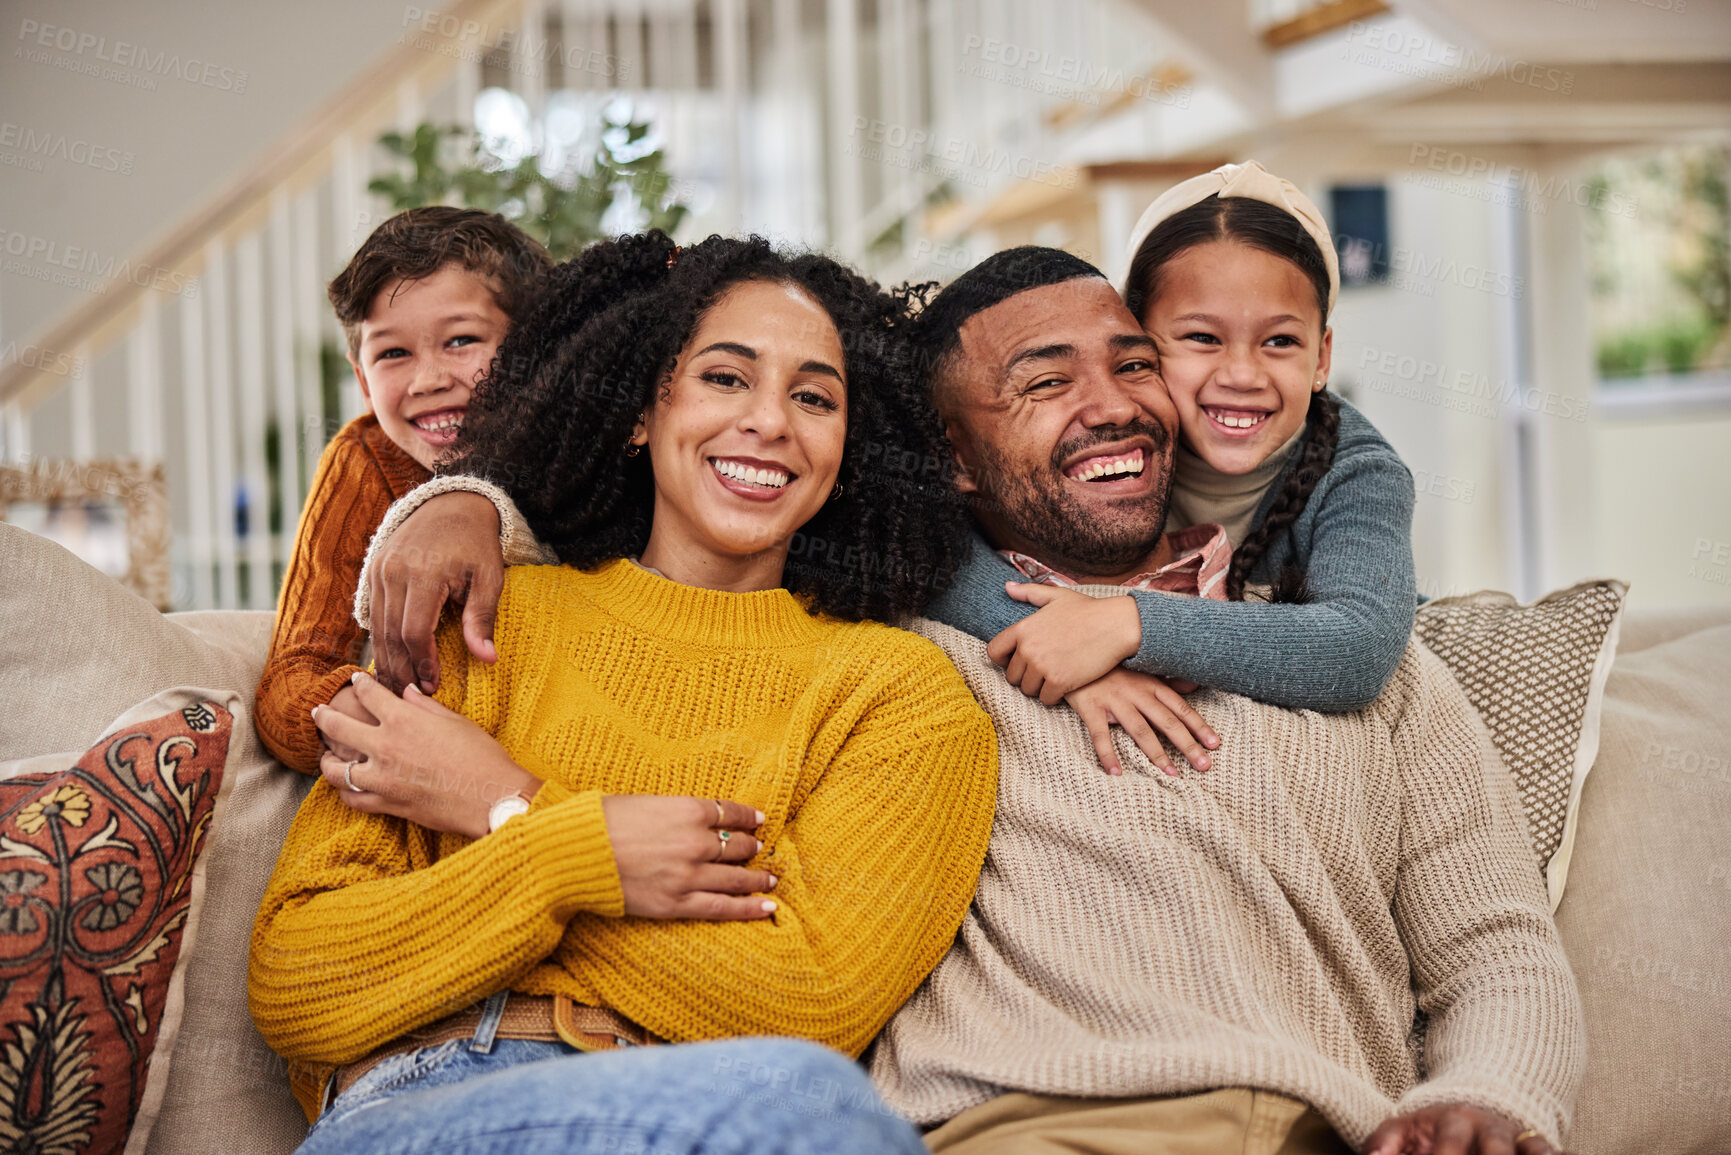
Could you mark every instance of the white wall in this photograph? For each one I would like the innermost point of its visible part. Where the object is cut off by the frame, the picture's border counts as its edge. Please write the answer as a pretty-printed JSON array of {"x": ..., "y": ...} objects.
[
  {"x": 1646, "y": 500},
  {"x": 1662, "y": 507},
  {"x": 1401, "y": 350}
]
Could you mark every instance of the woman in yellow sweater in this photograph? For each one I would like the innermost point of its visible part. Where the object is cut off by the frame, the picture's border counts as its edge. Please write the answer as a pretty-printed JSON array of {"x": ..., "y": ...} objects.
[{"x": 701, "y": 795}]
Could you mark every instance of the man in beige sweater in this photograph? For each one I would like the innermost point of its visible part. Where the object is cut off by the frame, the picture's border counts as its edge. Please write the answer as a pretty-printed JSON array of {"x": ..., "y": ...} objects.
[
  {"x": 1336, "y": 935},
  {"x": 1224, "y": 961}
]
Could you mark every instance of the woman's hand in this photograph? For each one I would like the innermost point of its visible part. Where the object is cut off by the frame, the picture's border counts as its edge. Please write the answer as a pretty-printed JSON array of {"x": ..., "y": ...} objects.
[
  {"x": 1142, "y": 703},
  {"x": 420, "y": 761},
  {"x": 1070, "y": 641},
  {"x": 682, "y": 857}
]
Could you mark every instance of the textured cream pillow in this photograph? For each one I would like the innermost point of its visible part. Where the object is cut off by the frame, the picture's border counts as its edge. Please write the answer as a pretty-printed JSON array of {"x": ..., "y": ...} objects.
[
  {"x": 1647, "y": 919},
  {"x": 1536, "y": 674}
]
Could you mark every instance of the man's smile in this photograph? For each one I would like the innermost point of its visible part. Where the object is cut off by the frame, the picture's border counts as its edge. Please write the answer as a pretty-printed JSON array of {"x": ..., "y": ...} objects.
[
  {"x": 1106, "y": 465},
  {"x": 1112, "y": 469}
]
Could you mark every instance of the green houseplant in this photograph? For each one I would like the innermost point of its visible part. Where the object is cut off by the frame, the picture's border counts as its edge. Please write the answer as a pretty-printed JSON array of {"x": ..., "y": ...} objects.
[{"x": 564, "y": 210}]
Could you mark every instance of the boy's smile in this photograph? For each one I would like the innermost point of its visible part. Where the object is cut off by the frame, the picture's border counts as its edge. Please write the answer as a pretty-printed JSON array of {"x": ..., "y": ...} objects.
[{"x": 424, "y": 344}]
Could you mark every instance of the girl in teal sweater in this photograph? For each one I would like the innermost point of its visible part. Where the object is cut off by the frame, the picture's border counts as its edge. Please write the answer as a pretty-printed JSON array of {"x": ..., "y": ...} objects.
[{"x": 1234, "y": 275}]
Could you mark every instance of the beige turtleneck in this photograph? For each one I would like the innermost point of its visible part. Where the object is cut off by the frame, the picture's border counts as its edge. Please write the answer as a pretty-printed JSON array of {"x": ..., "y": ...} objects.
[{"x": 1202, "y": 494}]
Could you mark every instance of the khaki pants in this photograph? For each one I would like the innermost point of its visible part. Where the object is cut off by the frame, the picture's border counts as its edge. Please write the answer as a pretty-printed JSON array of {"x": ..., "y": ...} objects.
[{"x": 1233, "y": 1121}]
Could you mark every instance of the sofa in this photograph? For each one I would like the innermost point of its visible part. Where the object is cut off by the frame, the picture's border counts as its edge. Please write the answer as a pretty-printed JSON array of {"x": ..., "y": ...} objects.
[{"x": 1646, "y": 917}]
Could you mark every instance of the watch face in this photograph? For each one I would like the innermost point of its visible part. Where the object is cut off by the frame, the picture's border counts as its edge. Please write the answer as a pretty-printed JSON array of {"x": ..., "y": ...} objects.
[{"x": 505, "y": 809}]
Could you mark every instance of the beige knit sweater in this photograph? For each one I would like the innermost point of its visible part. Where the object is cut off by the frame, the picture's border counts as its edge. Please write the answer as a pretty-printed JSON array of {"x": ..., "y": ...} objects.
[{"x": 1272, "y": 923}]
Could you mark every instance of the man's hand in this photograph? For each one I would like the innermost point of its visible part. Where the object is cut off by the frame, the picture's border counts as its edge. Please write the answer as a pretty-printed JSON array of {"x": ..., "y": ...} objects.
[
  {"x": 1071, "y": 640},
  {"x": 421, "y": 761},
  {"x": 1455, "y": 1129},
  {"x": 1142, "y": 703},
  {"x": 447, "y": 550}
]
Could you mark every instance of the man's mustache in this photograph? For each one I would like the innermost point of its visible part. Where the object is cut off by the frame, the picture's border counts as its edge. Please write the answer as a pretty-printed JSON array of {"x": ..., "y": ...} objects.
[{"x": 1107, "y": 435}]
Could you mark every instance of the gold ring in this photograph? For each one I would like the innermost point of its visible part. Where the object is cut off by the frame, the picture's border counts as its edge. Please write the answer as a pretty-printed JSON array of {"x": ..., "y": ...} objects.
[
  {"x": 720, "y": 815},
  {"x": 724, "y": 835},
  {"x": 1525, "y": 1135}
]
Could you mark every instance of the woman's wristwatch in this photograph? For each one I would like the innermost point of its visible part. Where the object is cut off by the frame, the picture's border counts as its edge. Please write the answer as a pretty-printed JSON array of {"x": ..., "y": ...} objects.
[{"x": 505, "y": 809}]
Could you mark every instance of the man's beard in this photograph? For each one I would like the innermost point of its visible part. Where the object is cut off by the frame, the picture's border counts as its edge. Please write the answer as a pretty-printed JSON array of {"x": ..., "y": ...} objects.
[{"x": 1069, "y": 534}]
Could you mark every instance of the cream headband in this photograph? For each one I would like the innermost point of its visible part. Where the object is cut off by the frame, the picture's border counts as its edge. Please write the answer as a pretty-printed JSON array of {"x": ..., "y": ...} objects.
[{"x": 1251, "y": 180}]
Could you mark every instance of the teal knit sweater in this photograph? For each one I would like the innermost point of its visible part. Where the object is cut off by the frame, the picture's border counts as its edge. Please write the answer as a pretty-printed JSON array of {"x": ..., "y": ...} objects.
[{"x": 1333, "y": 653}]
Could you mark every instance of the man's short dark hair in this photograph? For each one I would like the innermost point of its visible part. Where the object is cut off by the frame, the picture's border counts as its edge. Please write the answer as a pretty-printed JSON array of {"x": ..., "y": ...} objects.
[
  {"x": 937, "y": 333},
  {"x": 419, "y": 242}
]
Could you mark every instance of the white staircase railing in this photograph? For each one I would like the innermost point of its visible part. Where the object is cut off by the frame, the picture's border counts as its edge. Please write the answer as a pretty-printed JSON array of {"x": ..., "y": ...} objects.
[{"x": 829, "y": 123}]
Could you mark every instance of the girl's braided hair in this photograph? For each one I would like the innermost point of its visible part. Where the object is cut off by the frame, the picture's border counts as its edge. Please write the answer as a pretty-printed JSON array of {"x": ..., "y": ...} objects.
[
  {"x": 1273, "y": 230},
  {"x": 550, "y": 421},
  {"x": 1315, "y": 455}
]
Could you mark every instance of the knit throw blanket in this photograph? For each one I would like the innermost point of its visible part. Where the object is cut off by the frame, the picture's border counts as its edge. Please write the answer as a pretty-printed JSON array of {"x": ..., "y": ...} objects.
[{"x": 1280, "y": 922}]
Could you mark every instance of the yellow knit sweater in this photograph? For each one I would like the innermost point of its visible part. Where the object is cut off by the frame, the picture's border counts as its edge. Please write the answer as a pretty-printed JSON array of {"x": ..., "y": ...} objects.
[{"x": 861, "y": 744}]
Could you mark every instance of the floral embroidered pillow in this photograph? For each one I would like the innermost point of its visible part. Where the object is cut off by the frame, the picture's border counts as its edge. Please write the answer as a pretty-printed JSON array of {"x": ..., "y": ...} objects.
[{"x": 99, "y": 894}]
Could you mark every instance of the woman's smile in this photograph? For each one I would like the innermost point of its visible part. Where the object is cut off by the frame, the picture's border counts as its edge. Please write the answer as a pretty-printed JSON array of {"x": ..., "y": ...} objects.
[{"x": 752, "y": 478}]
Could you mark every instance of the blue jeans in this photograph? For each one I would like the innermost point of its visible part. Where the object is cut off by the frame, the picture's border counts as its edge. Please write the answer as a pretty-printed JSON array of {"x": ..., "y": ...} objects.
[{"x": 733, "y": 1097}]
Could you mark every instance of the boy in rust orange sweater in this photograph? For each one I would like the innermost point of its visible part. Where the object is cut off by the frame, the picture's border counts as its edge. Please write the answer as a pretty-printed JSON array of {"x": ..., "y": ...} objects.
[{"x": 425, "y": 303}]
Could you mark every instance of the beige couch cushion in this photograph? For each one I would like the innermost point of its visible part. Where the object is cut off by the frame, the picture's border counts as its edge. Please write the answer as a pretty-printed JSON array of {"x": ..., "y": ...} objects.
[
  {"x": 78, "y": 649},
  {"x": 1647, "y": 916}
]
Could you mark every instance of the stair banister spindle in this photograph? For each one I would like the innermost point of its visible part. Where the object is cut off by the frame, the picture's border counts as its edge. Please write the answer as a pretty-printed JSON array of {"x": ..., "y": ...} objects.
[
  {"x": 841, "y": 41},
  {"x": 195, "y": 416},
  {"x": 601, "y": 41},
  {"x": 144, "y": 417},
  {"x": 221, "y": 437},
  {"x": 17, "y": 425},
  {"x": 282, "y": 367},
  {"x": 661, "y": 75},
  {"x": 309, "y": 306},
  {"x": 531, "y": 60},
  {"x": 348, "y": 230},
  {"x": 628, "y": 31},
  {"x": 249, "y": 305},
  {"x": 81, "y": 398},
  {"x": 729, "y": 43}
]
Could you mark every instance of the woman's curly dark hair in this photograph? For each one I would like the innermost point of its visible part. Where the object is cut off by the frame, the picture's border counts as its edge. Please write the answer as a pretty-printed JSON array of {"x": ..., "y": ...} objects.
[{"x": 551, "y": 420}]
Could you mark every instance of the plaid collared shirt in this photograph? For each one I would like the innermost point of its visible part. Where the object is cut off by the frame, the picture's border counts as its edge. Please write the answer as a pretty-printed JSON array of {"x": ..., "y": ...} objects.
[{"x": 1201, "y": 556}]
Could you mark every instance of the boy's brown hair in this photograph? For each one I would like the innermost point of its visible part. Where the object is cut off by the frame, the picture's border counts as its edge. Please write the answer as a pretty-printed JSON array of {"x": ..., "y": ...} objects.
[{"x": 419, "y": 242}]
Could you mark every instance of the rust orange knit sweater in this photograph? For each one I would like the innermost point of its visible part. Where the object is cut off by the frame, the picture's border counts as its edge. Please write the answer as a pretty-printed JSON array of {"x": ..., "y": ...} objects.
[
  {"x": 861, "y": 744},
  {"x": 317, "y": 644}
]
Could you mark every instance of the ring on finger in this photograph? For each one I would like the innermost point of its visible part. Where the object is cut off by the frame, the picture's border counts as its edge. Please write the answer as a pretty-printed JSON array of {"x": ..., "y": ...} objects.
[
  {"x": 1529, "y": 1133},
  {"x": 348, "y": 776},
  {"x": 720, "y": 815},
  {"x": 724, "y": 835}
]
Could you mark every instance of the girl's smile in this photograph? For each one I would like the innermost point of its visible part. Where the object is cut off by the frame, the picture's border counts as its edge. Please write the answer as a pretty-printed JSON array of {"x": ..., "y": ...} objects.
[
  {"x": 1236, "y": 421},
  {"x": 1242, "y": 347}
]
